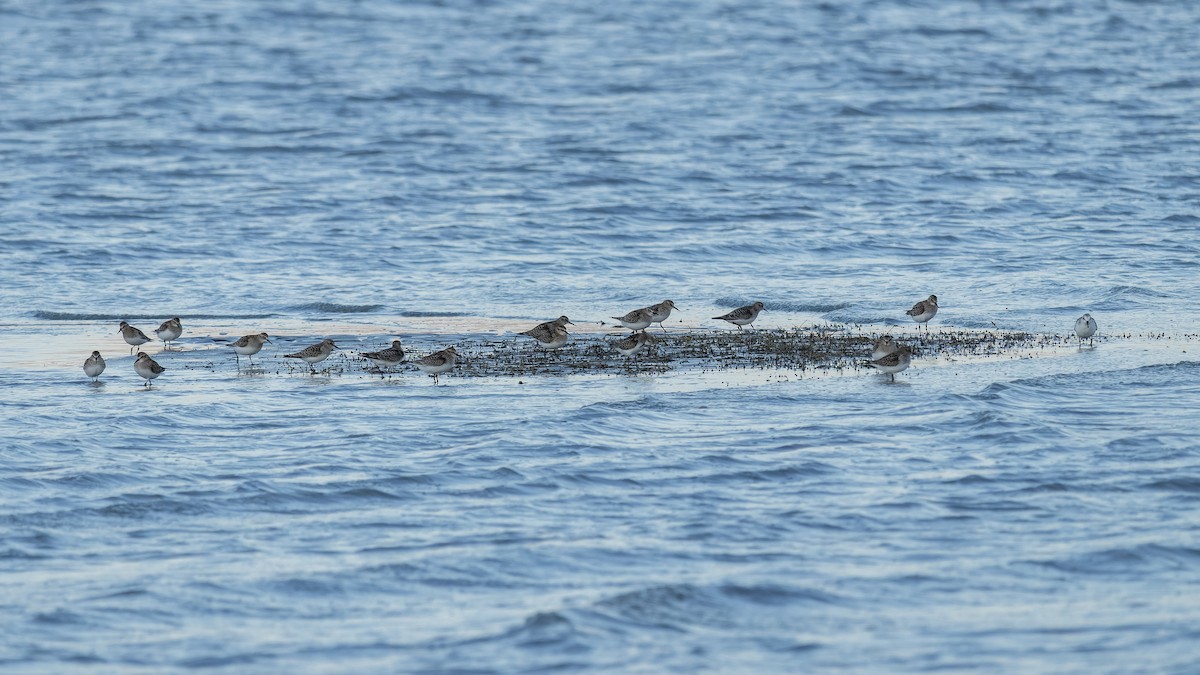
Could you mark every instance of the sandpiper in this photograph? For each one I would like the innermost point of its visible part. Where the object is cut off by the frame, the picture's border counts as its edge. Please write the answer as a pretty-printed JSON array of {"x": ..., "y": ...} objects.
[
  {"x": 638, "y": 319},
  {"x": 437, "y": 363},
  {"x": 133, "y": 336},
  {"x": 743, "y": 316},
  {"x": 661, "y": 312},
  {"x": 248, "y": 345},
  {"x": 146, "y": 367},
  {"x": 882, "y": 347},
  {"x": 386, "y": 358},
  {"x": 169, "y": 330},
  {"x": 552, "y": 334},
  {"x": 895, "y": 362},
  {"x": 633, "y": 344},
  {"x": 93, "y": 366},
  {"x": 314, "y": 354},
  {"x": 1085, "y": 328},
  {"x": 924, "y": 310}
]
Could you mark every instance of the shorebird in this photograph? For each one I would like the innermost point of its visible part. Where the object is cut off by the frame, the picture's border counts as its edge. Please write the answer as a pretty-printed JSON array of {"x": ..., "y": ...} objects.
[
  {"x": 1085, "y": 328},
  {"x": 882, "y": 347},
  {"x": 633, "y": 344},
  {"x": 743, "y": 316},
  {"x": 146, "y": 367},
  {"x": 638, "y": 319},
  {"x": 552, "y": 334},
  {"x": 897, "y": 361},
  {"x": 133, "y": 336},
  {"x": 314, "y": 354},
  {"x": 386, "y": 358},
  {"x": 248, "y": 345},
  {"x": 924, "y": 310},
  {"x": 437, "y": 363},
  {"x": 94, "y": 366},
  {"x": 661, "y": 312},
  {"x": 168, "y": 331}
]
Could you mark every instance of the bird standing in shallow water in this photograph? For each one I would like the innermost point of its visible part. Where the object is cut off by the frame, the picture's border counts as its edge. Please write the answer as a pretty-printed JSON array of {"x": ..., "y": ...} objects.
[
  {"x": 386, "y": 358},
  {"x": 924, "y": 310},
  {"x": 314, "y": 354},
  {"x": 248, "y": 345},
  {"x": 742, "y": 316},
  {"x": 94, "y": 366},
  {"x": 133, "y": 336},
  {"x": 147, "y": 368},
  {"x": 896, "y": 362},
  {"x": 661, "y": 312},
  {"x": 633, "y": 344},
  {"x": 1085, "y": 328},
  {"x": 638, "y": 319},
  {"x": 437, "y": 363},
  {"x": 552, "y": 334},
  {"x": 168, "y": 331}
]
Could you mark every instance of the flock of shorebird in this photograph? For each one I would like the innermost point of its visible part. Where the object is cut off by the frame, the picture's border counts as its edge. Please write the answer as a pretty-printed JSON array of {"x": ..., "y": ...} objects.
[{"x": 887, "y": 356}]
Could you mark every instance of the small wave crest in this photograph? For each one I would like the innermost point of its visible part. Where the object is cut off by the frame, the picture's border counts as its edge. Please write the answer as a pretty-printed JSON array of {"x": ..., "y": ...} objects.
[
  {"x": 1114, "y": 296},
  {"x": 334, "y": 308},
  {"x": 1130, "y": 560},
  {"x": 426, "y": 313},
  {"x": 679, "y": 607},
  {"x": 46, "y": 315}
]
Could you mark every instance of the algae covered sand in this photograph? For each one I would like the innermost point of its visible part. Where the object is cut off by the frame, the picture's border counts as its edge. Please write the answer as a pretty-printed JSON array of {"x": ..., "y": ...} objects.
[{"x": 831, "y": 348}]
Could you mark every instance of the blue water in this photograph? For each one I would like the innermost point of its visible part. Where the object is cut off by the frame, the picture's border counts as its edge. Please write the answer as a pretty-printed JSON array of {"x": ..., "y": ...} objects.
[{"x": 433, "y": 170}]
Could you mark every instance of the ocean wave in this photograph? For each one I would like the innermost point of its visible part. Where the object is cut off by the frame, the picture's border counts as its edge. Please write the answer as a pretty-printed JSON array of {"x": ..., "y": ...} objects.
[
  {"x": 412, "y": 313},
  {"x": 133, "y": 316},
  {"x": 334, "y": 308},
  {"x": 1127, "y": 560}
]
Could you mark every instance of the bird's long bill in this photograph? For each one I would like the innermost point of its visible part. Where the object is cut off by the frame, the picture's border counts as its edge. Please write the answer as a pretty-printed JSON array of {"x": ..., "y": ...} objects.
[{"x": 268, "y": 340}]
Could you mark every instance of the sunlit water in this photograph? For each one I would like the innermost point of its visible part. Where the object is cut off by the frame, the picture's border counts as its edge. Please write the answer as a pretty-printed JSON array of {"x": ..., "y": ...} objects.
[{"x": 442, "y": 171}]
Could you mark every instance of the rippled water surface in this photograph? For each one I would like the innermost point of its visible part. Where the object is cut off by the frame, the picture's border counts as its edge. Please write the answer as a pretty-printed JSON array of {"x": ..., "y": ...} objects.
[{"x": 447, "y": 172}]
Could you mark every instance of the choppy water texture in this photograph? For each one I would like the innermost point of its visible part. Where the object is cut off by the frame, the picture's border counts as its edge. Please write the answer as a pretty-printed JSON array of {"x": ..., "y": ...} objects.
[{"x": 454, "y": 171}]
